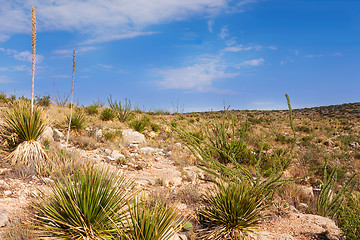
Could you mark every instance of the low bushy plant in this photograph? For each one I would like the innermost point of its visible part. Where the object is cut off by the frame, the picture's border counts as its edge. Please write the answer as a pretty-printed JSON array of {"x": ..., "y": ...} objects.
[
  {"x": 152, "y": 221},
  {"x": 107, "y": 114},
  {"x": 92, "y": 109},
  {"x": 231, "y": 211},
  {"x": 140, "y": 124},
  {"x": 43, "y": 101},
  {"x": 92, "y": 204},
  {"x": 348, "y": 218},
  {"x": 78, "y": 120}
]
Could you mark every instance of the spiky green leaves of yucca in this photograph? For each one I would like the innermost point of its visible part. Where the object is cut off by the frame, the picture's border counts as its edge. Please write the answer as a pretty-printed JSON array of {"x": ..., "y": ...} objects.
[
  {"x": 152, "y": 221},
  {"x": 26, "y": 128},
  {"x": 78, "y": 120},
  {"x": 231, "y": 212},
  {"x": 89, "y": 205}
]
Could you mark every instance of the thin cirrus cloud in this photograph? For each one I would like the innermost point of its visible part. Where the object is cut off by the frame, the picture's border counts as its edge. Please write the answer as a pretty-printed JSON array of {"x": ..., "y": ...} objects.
[
  {"x": 22, "y": 56},
  {"x": 103, "y": 20},
  {"x": 251, "y": 63}
]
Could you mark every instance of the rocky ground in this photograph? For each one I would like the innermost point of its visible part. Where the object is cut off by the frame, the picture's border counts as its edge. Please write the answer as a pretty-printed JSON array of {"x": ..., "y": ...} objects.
[{"x": 158, "y": 171}]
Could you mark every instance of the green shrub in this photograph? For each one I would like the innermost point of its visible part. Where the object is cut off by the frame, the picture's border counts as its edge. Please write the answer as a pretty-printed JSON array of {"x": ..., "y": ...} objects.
[
  {"x": 111, "y": 135},
  {"x": 92, "y": 110},
  {"x": 90, "y": 205},
  {"x": 152, "y": 221},
  {"x": 107, "y": 114},
  {"x": 231, "y": 212},
  {"x": 349, "y": 220},
  {"x": 44, "y": 101},
  {"x": 155, "y": 127},
  {"x": 78, "y": 120},
  {"x": 140, "y": 125}
]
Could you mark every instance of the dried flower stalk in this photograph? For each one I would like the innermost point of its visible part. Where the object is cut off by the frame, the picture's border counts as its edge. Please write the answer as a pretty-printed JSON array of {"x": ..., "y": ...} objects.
[{"x": 33, "y": 56}]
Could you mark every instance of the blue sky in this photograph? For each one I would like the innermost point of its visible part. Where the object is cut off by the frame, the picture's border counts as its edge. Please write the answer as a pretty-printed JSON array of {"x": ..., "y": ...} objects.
[{"x": 198, "y": 54}]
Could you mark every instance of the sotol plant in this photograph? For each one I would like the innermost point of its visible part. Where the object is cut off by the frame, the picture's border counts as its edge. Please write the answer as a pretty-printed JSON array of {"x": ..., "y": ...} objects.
[{"x": 92, "y": 204}]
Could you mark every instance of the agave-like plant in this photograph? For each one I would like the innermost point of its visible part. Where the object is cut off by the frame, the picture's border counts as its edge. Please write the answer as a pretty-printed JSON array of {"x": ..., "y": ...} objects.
[
  {"x": 231, "y": 212},
  {"x": 89, "y": 205},
  {"x": 152, "y": 221},
  {"x": 78, "y": 120},
  {"x": 26, "y": 128}
]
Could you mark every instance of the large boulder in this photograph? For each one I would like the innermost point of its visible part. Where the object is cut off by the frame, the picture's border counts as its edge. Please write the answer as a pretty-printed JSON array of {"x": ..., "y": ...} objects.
[
  {"x": 132, "y": 137},
  {"x": 48, "y": 134}
]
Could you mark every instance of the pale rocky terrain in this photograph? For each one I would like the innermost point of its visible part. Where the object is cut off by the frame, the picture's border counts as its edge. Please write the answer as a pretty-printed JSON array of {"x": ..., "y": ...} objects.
[{"x": 155, "y": 171}]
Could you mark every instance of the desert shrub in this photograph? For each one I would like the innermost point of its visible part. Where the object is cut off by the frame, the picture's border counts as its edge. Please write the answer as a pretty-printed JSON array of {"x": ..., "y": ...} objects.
[
  {"x": 92, "y": 110},
  {"x": 19, "y": 228},
  {"x": 111, "y": 135},
  {"x": 78, "y": 120},
  {"x": 107, "y": 114},
  {"x": 329, "y": 204},
  {"x": 122, "y": 111},
  {"x": 155, "y": 127},
  {"x": 349, "y": 220},
  {"x": 89, "y": 205},
  {"x": 22, "y": 130},
  {"x": 44, "y": 101},
  {"x": 140, "y": 124},
  {"x": 230, "y": 212},
  {"x": 61, "y": 100},
  {"x": 152, "y": 221},
  {"x": 304, "y": 129}
]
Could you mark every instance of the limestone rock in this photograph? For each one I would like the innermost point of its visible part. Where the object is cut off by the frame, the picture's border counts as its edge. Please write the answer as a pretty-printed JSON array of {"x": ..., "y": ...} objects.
[
  {"x": 116, "y": 155},
  {"x": 354, "y": 144},
  {"x": 48, "y": 134},
  {"x": 58, "y": 135},
  {"x": 4, "y": 216},
  {"x": 133, "y": 137}
]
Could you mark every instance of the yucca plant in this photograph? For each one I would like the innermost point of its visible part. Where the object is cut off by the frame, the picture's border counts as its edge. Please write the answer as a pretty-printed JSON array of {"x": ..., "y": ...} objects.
[
  {"x": 152, "y": 221},
  {"x": 107, "y": 114},
  {"x": 78, "y": 120},
  {"x": 26, "y": 128},
  {"x": 89, "y": 205},
  {"x": 231, "y": 212},
  {"x": 122, "y": 111}
]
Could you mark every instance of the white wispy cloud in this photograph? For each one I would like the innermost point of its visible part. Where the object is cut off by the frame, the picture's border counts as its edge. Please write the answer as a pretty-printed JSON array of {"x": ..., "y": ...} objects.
[
  {"x": 77, "y": 50},
  {"x": 15, "y": 68},
  {"x": 323, "y": 55},
  {"x": 22, "y": 56},
  {"x": 5, "y": 79},
  {"x": 103, "y": 20},
  {"x": 210, "y": 25},
  {"x": 251, "y": 63},
  {"x": 224, "y": 32},
  {"x": 196, "y": 77}
]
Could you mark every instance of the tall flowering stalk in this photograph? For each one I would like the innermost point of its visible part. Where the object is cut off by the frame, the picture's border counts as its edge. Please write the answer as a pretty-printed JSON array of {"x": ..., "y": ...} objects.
[
  {"x": 72, "y": 96},
  {"x": 33, "y": 57}
]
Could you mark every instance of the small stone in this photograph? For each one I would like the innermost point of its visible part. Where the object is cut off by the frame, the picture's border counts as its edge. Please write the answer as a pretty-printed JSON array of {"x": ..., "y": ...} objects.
[
  {"x": 7, "y": 192},
  {"x": 107, "y": 151},
  {"x": 4, "y": 185},
  {"x": 4, "y": 216},
  {"x": 48, "y": 134},
  {"x": 58, "y": 135},
  {"x": 117, "y": 155},
  {"x": 354, "y": 144}
]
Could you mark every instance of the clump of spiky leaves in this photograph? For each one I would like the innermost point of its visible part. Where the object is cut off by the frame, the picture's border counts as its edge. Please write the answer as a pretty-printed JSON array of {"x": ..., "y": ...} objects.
[
  {"x": 329, "y": 205},
  {"x": 231, "y": 212},
  {"x": 152, "y": 221},
  {"x": 78, "y": 120},
  {"x": 122, "y": 111},
  {"x": 26, "y": 128},
  {"x": 265, "y": 183},
  {"x": 89, "y": 205}
]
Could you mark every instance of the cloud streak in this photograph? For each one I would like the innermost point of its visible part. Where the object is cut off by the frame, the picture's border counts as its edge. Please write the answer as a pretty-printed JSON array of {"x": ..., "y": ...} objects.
[{"x": 103, "y": 20}]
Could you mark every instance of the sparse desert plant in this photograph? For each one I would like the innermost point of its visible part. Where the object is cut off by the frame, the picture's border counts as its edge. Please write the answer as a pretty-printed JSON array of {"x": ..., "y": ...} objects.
[
  {"x": 152, "y": 221},
  {"x": 348, "y": 218},
  {"x": 231, "y": 211},
  {"x": 61, "y": 100},
  {"x": 78, "y": 120},
  {"x": 43, "y": 101},
  {"x": 140, "y": 124},
  {"x": 329, "y": 204},
  {"x": 111, "y": 135},
  {"x": 92, "y": 204},
  {"x": 92, "y": 109},
  {"x": 122, "y": 111},
  {"x": 26, "y": 127},
  {"x": 19, "y": 228},
  {"x": 107, "y": 114}
]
